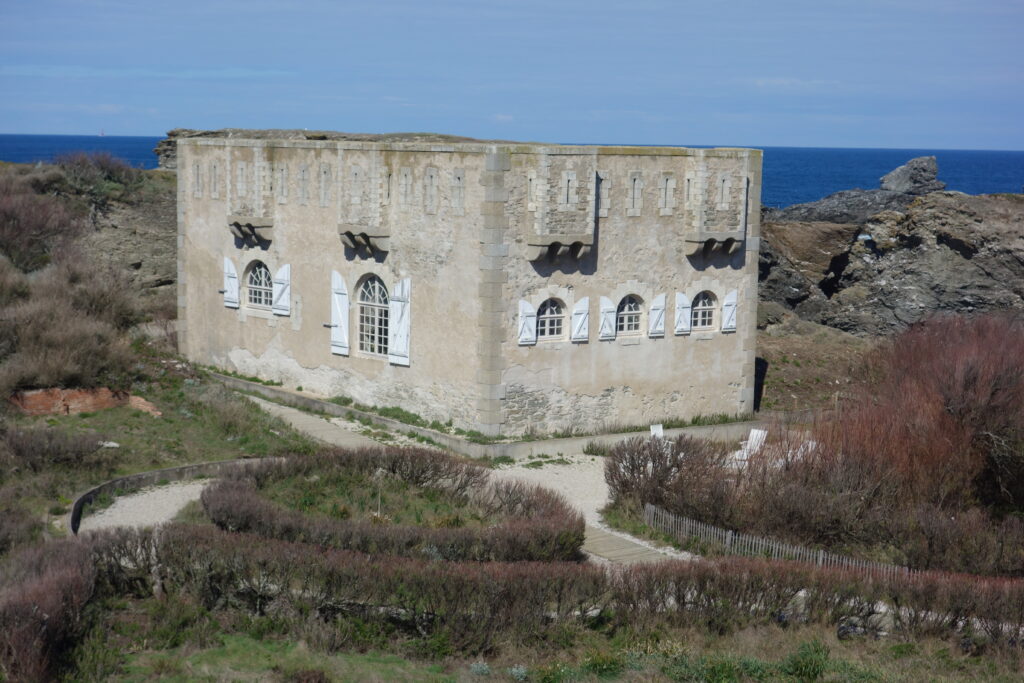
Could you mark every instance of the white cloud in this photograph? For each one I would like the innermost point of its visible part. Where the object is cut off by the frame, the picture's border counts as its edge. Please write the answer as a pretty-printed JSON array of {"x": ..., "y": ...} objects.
[{"x": 503, "y": 118}]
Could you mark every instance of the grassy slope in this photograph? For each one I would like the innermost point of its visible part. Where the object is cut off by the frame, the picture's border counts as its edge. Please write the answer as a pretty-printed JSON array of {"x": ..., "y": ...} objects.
[
  {"x": 201, "y": 422},
  {"x": 143, "y": 640}
]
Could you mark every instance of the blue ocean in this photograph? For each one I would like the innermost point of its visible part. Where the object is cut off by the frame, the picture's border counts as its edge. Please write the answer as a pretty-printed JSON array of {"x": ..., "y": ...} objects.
[{"x": 791, "y": 175}]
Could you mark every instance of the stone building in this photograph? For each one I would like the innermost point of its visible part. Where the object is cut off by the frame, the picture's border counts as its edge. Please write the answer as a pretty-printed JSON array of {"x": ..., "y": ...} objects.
[{"x": 508, "y": 288}]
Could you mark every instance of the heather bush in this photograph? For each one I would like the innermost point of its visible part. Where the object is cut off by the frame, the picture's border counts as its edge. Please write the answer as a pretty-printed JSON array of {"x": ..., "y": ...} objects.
[
  {"x": 13, "y": 283},
  {"x": 37, "y": 448},
  {"x": 48, "y": 343},
  {"x": 470, "y": 604},
  {"x": 99, "y": 175},
  {"x": 65, "y": 326},
  {"x": 43, "y": 594},
  {"x": 17, "y": 527},
  {"x": 537, "y": 524},
  {"x": 33, "y": 226}
]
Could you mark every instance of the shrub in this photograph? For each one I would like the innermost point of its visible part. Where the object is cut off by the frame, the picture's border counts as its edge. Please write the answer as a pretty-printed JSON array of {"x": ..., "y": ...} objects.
[
  {"x": 43, "y": 592},
  {"x": 33, "y": 226},
  {"x": 640, "y": 468},
  {"x": 539, "y": 524},
  {"x": 99, "y": 175},
  {"x": 38, "y": 448},
  {"x": 17, "y": 527},
  {"x": 64, "y": 326},
  {"x": 48, "y": 343},
  {"x": 921, "y": 468}
]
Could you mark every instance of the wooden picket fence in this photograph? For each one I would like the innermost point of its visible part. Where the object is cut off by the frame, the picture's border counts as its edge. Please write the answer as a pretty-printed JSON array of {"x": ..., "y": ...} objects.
[{"x": 684, "y": 529}]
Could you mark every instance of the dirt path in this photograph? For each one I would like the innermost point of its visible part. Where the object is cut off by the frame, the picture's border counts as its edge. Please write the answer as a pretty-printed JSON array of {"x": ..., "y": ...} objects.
[
  {"x": 580, "y": 478},
  {"x": 148, "y": 507}
]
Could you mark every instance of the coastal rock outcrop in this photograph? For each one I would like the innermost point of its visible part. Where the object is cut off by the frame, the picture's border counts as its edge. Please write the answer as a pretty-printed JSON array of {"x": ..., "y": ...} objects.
[
  {"x": 898, "y": 189},
  {"x": 842, "y": 263},
  {"x": 917, "y": 176}
]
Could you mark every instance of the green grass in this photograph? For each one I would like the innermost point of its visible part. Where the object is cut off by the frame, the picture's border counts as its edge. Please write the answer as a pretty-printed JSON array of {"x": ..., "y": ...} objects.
[
  {"x": 629, "y": 518},
  {"x": 350, "y": 495},
  {"x": 202, "y": 421},
  {"x": 180, "y": 640},
  {"x": 242, "y": 657},
  {"x": 247, "y": 378},
  {"x": 494, "y": 461},
  {"x": 540, "y": 459}
]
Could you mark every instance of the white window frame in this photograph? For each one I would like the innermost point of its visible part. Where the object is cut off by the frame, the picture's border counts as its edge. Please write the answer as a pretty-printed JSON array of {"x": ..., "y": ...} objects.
[
  {"x": 259, "y": 286},
  {"x": 702, "y": 315},
  {"x": 374, "y": 317},
  {"x": 627, "y": 316},
  {"x": 551, "y": 320}
]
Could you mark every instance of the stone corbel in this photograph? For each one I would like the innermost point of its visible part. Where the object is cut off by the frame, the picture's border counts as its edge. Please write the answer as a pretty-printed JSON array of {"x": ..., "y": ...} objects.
[
  {"x": 359, "y": 238},
  {"x": 706, "y": 241},
  {"x": 251, "y": 227},
  {"x": 559, "y": 247}
]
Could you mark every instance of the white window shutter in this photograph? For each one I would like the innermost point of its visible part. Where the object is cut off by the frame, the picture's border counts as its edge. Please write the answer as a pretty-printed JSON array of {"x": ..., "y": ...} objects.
[
  {"x": 607, "y": 329},
  {"x": 399, "y": 323},
  {"x": 527, "y": 323},
  {"x": 581, "y": 320},
  {"x": 729, "y": 312},
  {"x": 683, "y": 311},
  {"x": 339, "y": 315},
  {"x": 282, "y": 291},
  {"x": 230, "y": 284},
  {"x": 656, "y": 317}
]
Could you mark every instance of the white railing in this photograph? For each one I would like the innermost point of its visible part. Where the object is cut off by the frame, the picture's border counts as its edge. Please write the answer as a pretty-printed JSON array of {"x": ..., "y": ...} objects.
[{"x": 732, "y": 543}]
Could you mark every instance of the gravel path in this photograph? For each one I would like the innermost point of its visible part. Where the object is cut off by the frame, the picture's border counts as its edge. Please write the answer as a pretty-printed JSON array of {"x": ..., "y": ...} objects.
[
  {"x": 581, "y": 481},
  {"x": 147, "y": 507}
]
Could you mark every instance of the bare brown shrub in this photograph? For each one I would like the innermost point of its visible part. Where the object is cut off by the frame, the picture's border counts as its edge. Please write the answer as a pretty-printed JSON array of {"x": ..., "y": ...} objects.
[
  {"x": 17, "y": 527},
  {"x": 37, "y": 448},
  {"x": 43, "y": 593},
  {"x": 32, "y": 225},
  {"x": 919, "y": 469},
  {"x": 51, "y": 344}
]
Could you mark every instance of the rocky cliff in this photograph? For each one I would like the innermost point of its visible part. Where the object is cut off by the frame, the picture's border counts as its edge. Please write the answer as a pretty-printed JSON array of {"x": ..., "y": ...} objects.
[{"x": 873, "y": 261}]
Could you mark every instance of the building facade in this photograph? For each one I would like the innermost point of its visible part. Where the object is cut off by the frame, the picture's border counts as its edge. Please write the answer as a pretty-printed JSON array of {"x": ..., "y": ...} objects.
[{"x": 508, "y": 288}]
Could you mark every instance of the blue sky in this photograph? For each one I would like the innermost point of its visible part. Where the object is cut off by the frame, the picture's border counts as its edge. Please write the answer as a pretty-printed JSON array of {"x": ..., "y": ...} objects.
[{"x": 864, "y": 73}]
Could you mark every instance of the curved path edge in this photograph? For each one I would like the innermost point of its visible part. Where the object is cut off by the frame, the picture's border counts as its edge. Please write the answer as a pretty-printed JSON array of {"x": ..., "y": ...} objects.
[{"x": 141, "y": 480}]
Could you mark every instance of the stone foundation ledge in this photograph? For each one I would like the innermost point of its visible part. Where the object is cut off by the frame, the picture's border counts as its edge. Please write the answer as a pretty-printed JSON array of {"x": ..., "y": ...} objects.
[{"x": 730, "y": 432}]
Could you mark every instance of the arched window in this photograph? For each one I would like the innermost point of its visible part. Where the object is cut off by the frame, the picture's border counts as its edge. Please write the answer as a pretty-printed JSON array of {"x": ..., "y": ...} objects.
[
  {"x": 259, "y": 286},
  {"x": 627, "y": 318},
  {"x": 550, "y": 319},
  {"x": 373, "y": 317},
  {"x": 703, "y": 311}
]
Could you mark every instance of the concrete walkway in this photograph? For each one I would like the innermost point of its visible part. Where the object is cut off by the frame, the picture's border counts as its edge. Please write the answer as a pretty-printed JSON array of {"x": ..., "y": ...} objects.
[
  {"x": 315, "y": 426},
  {"x": 618, "y": 549}
]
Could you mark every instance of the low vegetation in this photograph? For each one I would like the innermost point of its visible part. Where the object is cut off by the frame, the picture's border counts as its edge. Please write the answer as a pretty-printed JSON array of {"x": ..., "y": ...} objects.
[
  {"x": 44, "y": 461},
  {"x": 924, "y": 467},
  {"x": 479, "y": 521}
]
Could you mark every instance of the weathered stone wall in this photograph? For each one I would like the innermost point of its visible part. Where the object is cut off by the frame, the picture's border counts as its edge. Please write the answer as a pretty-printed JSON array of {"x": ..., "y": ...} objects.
[
  {"x": 465, "y": 222},
  {"x": 435, "y": 248},
  {"x": 639, "y": 249}
]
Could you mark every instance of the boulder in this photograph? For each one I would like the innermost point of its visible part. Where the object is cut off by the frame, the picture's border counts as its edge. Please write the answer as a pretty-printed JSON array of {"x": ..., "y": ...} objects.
[{"x": 916, "y": 177}]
